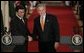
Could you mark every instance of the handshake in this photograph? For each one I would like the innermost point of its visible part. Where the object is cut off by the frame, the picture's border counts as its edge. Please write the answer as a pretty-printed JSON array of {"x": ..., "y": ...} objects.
[{"x": 30, "y": 38}]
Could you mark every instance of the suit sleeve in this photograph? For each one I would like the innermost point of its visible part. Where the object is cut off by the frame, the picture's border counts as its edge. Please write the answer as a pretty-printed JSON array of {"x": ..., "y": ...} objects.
[
  {"x": 28, "y": 32},
  {"x": 56, "y": 29},
  {"x": 13, "y": 28},
  {"x": 34, "y": 35}
]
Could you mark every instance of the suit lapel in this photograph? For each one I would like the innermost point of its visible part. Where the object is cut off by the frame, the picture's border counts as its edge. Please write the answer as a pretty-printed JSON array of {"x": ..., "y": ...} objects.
[
  {"x": 39, "y": 24},
  {"x": 20, "y": 21},
  {"x": 46, "y": 23}
]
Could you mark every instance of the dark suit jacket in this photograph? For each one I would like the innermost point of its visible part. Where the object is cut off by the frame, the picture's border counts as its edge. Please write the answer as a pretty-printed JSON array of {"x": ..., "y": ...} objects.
[
  {"x": 18, "y": 28},
  {"x": 51, "y": 29}
]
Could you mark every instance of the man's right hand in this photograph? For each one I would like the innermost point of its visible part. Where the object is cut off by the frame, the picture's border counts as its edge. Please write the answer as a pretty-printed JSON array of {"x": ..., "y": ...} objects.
[{"x": 30, "y": 38}]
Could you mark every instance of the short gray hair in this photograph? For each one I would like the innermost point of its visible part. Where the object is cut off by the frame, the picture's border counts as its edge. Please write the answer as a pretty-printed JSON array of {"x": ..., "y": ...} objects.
[{"x": 41, "y": 5}]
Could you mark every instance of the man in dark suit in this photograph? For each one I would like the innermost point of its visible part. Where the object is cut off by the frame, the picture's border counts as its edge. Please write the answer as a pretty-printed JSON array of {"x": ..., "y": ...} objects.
[
  {"x": 47, "y": 29},
  {"x": 18, "y": 28}
]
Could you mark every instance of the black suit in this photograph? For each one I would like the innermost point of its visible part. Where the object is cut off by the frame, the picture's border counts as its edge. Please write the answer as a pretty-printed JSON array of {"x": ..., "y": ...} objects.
[
  {"x": 49, "y": 35},
  {"x": 18, "y": 28}
]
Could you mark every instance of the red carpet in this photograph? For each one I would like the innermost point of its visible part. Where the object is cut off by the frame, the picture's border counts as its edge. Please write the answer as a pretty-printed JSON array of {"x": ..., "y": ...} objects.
[{"x": 67, "y": 21}]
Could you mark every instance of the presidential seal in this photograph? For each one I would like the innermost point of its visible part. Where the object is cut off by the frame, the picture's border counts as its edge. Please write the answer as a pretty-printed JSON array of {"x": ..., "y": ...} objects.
[
  {"x": 6, "y": 39},
  {"x": 77, "y": 39}
]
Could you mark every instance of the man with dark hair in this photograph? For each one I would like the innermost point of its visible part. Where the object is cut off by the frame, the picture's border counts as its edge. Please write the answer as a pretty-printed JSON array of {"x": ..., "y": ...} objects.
[
  {"x": 19, "y": 28},
  {"x": 12, "y": 6}
]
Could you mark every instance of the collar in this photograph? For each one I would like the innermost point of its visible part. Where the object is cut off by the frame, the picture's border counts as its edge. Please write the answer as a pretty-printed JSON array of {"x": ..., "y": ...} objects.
[{"x": 18, "y": 16}]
